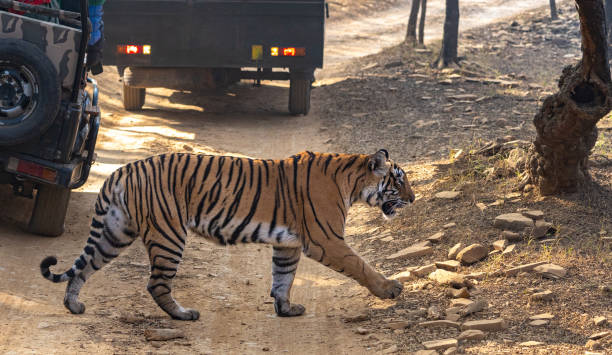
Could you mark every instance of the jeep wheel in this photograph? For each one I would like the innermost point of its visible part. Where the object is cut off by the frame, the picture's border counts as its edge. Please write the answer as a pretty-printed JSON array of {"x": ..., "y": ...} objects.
[
  {"x": 133, "y": 98},
  {"x": 29, "y": 92},
  {"x": 299, "y": 96},
  {"x": 49, "y": 210}
]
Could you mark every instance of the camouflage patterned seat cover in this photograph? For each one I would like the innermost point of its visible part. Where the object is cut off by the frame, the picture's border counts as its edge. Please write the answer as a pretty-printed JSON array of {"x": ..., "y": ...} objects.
[{"x": 60, "y": 43}]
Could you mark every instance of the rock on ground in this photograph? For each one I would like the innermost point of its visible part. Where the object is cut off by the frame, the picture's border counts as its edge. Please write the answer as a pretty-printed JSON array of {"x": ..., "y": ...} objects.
[
  {"x": 542, "y": 296},
  {"x": 523, "y": 268},
  {"x": 472, "y": 254},
  {"x": 448, "y": 195},
  {"x": 490, "y": 325},
  {"x": 550, "y": 271},
  {"x": 452, "y": 253},
  {"x": 500, "y": 244},
  {"x": 448, "y": 278},
  {"x": 440, "y": 344},
  {"x": 513, "y": 221},
  {"x": 448, "y": 265},
  {"x": 162, "y": 334},
  {"x": 472, "y": 334},
  {"x": 412, "y": 251}
]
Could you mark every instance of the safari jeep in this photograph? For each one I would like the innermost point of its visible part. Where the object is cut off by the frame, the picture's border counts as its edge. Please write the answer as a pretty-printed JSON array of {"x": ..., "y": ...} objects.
[{"x": 48, "y": 121}]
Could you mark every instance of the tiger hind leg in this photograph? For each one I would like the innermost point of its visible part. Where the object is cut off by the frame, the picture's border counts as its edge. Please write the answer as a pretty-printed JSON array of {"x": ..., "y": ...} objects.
[
  {"x": 284, "y": 266},
  {"x": 109, "y": 235},
  {"x": 165, "y": 260}
]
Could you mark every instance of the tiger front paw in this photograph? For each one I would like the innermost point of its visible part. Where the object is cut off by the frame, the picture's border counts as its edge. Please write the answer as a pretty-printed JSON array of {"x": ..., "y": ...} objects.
[{"x": 388, "y": 289}]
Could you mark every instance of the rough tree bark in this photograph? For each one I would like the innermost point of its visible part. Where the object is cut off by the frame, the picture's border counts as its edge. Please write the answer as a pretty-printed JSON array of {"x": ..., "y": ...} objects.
[
  {"x": 566, "y": 123},
  {"x": 422, "y": 22},
  {"x": 411, "y": 35},
  {"x": 609, "y": 22},
  {"x": 448, "y": 53},
  {"x": 553, "y": 10}
]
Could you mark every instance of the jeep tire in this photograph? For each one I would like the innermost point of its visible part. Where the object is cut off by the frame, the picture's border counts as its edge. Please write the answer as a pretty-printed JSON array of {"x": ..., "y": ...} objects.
[
  {"x": 29, "y": 92},
  {"x": 49, "y": 210}
]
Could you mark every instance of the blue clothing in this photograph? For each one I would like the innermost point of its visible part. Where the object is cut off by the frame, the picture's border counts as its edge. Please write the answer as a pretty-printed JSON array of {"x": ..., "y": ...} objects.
[{"x": 97, "y": 26}]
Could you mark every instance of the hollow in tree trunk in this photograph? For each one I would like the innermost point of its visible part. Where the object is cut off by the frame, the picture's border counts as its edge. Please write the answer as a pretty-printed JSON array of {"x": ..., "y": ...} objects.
[
  {"x": 553, "y": 10},
  {"x": 412, "y": 22},
  {"x": 422, "y": 22},
  {"x": 566, "y": 123},
  {"x": 448, "y": 53}
]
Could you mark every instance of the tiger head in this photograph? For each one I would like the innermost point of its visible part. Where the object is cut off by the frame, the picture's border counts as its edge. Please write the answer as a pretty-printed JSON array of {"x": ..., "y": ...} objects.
[{"x": 387, "y": 185}]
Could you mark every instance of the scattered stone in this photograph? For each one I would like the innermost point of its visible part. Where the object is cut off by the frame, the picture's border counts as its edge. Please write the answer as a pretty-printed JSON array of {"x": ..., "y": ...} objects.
[
  {"x": 490, "y": 325},
  {"x": 403, "y": 276},
  {"x": 434, "y": 312},
  {"x": 512, "y": 236},
  {"x": 362, "y": 331},
  {"x": 357, "y": 318},
  {"x": 387, "y": 239},
  {"x": 606, "y": 289},
  {"x": 453, "y": 317},
  {"x": 472, "y": 334},
  {"x": 452, "y": 253},
  {"x": 599, "y": 335},
  {"x": 509, "y": 249},
  {"x": 523, "y": 268},
  {"x": 440, "y": 323},
  {"x": 472, "y": 254},
  {"x": 444, "y": 277},
  {"x": 399, "y": 325},
  {"x": 458, "y": 293},
  {"x": 539, "y": 322},
  {"x": 436, "y": 238},
  {"x": 531, "y": 343},
  {"x": 593, "y": 345},
  {"x": 449, "y": 265},
  {"x": 460, "y": 302},
  {"x": 424, "y": 270},
  {"x": 500, "y": 244},
  {"x": 513, "y": 221},
  {"x": 426, "y": 352},
  {"x": 542, "y": 296},
  {"x": 543, "y": 316},
  {"x": 476, "y": 275},
  {"x": 450, "y": 351},
  {"x": 550, "y": 271},
  {"x": 533, "y": 214},
  {"x": 412, "y": 251},
  {"x": 541, "y": 229},
  {"x": 474, "y": 307},
  {"x": 599, "y": 321},
  {"x": 390, "y": 350},
  {"x": 162, "y": 334},
  {"x": 449, "y": 225},
  {"x": 440, "y": 344},
  {"x": 481, "y": 206},
  {"x": 463, "y": 97},
  {"x": 448, "y": 195}
]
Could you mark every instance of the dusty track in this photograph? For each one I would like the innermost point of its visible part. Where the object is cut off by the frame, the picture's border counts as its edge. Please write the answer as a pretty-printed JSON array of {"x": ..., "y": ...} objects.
[{"x": 229, "y": 286}]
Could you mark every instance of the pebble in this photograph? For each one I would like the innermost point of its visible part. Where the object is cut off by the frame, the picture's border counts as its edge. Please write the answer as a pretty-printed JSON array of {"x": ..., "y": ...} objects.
[
  {"x": 485, "y": 325},
  {"x": 362, "y": 331},
  {"x": 357, "y": 318},
  {"x": 523, "y": 268},
  {"x": 472, "y": 334},
  {"x": 424, "y": 270},
  {"x": 541, "y": 228},
  {"x": 162, "y": 334},
  {"x": 542, "y": 296},
  {"x": 550, "y": 271},
  {"x": 412, "y": 251},
  {"x": 450, "y": 351},
  {"x": 531, "y": 343},
  {"x": 512, "y": 236},
  {"x": 436, "y": 238},
  {"x": 403, "y": 276},
  {"x": 472, "y": 254},
  {"x": 448, "y": 265},
  {"x": 452, "y": 253},
  {"x": 390, "y": 350},
  {"x": 399, "y": 325},
  {"x": 449, "y": 225},
  {"x": 440, "y": 344},
  {"x": 513, "y": 221},
  {"x": 440, "y": 323},
  {"x": 546, "y": 316},
  {"x": 426, "y": 352},
  {"x": 448, "y": 277},
  {"x": 539, "y": 322},
  {"x": 509, "y": 249},
  {"x": 460, "y": 302},
  {"x": 599, "y": 335},
  {"x": 458, "y": 293},
  {"x": 473, "y": 307},
  {"x": 599, "y": 321},
  {"x": 448, "y": 195},
  {"x": 434, "y": 312},
  {"x": 500, "y": 244},
  {"x": 533, "y": 214}
]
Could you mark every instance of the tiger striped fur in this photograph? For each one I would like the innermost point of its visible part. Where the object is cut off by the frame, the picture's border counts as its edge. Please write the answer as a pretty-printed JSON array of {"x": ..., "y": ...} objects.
[{"x": 298, "y": 204}]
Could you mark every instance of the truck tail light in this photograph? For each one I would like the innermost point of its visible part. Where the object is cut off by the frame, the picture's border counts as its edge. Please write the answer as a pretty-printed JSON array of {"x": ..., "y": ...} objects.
[
  {"x": 134, "y": 49},
  {"x": 287, "y": 51},
  {"x": 32, "y": 169}
]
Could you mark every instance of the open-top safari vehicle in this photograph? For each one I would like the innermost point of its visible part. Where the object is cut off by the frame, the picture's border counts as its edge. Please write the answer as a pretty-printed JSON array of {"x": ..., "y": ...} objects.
[{"x": 48, "y": 120}]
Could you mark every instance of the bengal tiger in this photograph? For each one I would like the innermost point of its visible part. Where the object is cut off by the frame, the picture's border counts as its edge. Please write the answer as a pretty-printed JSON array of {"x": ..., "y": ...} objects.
[{"x": 298, "y": 204}]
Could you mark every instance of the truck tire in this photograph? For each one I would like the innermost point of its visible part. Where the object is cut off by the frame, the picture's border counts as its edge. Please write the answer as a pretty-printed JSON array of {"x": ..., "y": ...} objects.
[
  {"x": 29, "y": 92},
  {"x": 49, "y": 210},
  {"x": 299, "y": 96},
  {"x": 133, "y": 98}
]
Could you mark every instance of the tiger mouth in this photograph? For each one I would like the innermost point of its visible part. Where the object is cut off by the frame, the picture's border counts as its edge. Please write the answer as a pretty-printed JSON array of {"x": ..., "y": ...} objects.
[{"x": 389, "y": 207}]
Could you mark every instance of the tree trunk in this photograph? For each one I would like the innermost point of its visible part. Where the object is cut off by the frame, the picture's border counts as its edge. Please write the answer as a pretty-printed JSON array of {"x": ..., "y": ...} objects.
[
  {"x": 609, "y": 22},
  {"x": 412, "y": 22},
  {"x": 566, "y": 123},
  {"x": 448, "y": 53},
  {"x": 553, "y": 10},
  {"x": 422, "y": 22}
]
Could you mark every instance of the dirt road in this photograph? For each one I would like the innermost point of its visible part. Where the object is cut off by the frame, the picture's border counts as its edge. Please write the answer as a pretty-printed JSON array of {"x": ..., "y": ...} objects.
[{"x": 229, "y": 286}]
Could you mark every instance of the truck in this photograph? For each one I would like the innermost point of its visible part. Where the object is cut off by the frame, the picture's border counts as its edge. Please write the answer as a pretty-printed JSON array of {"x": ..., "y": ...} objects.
[
  {"x": 196, "y": 44},
  {"x": 49, "y": 114}
]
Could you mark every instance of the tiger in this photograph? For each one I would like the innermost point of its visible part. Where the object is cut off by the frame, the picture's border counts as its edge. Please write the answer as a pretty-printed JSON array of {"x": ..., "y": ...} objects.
[{"x": 298, "y": 205}]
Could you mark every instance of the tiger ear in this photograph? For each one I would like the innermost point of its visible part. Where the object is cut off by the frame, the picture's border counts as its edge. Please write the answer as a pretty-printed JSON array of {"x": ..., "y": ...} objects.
[{"x": 377, "y": 163}]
